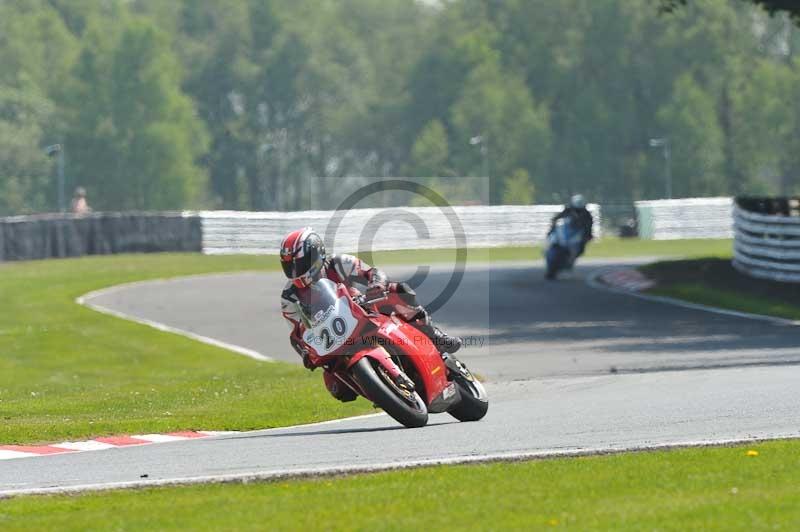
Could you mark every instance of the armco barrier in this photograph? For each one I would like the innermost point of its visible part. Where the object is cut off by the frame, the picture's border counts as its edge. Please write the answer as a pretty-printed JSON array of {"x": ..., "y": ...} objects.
[
  {"x": 685, "y": 218},
  {"x": 65, "y": 235},
  {"x": 767, "y": 245},
  {"x": 396, "y": 228}
]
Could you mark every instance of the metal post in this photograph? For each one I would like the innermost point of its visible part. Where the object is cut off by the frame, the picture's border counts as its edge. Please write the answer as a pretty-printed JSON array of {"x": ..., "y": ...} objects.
[
  {"x": 663, "y": 143},
  {"x": 485, "y": 153},
  {"x": 58, "y": 149},
  {"x": 61, "y": 196},
  {"x": 668, "y": 157},
  {"x": 480, "y": 140}
]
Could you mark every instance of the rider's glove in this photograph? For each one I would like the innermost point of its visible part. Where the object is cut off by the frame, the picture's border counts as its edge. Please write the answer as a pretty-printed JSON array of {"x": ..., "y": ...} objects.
[
  {"x": 375, "y": 291},
  {"x": 303, "y": 352},
  {"x": 307, "y": 362}
]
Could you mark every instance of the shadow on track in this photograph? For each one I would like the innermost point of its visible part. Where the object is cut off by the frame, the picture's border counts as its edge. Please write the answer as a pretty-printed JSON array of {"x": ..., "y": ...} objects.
[
  {"x": 340, "y": 431},
  {"x": 516, "y": 305}
]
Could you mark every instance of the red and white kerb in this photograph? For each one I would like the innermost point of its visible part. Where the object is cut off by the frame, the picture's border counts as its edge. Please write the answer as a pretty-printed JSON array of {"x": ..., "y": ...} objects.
[{"x": 8, "y": 452}]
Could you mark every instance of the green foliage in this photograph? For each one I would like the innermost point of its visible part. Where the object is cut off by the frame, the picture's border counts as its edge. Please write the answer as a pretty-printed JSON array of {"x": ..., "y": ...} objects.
[
  {"x": 518, "y": 189},
  {"x": 36, "y": 46},
  {"x": 135, "y": 138},
  {"x": 773, "y": 127},
  {"x": 498, "y": 107},
  {"x": 696, "y": 140},
  {"x": 24, "y": 167},
  {"x": 773, "y": 6},
  {"x": 429, "y": 154},
  {"x": 245, "y": 103}
]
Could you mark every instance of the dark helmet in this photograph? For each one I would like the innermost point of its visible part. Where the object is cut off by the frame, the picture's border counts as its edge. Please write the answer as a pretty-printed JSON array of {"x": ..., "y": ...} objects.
[
  {"x": 302, "y": 256},
  {"x": 577, "y": 202}
]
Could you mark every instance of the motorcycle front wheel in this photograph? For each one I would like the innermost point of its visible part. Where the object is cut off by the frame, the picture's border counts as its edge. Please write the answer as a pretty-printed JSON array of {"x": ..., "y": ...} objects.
[
  {"x": 474, "y": 402},
  {"x": 405, "y": 406},
  {"x": 556, "y": 259}
]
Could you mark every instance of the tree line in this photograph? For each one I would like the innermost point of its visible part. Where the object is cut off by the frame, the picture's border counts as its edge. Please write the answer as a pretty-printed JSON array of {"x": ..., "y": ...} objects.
[{"x": 246, "y": 104}]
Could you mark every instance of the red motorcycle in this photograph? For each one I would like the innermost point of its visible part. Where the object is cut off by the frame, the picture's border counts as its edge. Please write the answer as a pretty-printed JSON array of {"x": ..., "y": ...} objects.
[{"x": 385, "y": 359}]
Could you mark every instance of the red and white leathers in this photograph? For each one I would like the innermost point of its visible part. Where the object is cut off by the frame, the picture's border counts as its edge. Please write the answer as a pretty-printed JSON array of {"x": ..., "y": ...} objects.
[{"x": 348, "y": 270}]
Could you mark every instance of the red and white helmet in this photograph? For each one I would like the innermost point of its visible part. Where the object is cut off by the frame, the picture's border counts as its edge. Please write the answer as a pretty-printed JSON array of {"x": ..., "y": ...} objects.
[{"x": 302, "y": 256}]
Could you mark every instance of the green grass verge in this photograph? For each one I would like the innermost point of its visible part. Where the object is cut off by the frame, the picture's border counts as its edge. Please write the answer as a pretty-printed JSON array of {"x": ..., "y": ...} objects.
[
  {"x": 691, "y": 489},
  {"x": 605, "y": 248},
  {"x": 615, "y": 247},
  {"x": 716, "y": 283},
  {"x": 729, "y": 300}
]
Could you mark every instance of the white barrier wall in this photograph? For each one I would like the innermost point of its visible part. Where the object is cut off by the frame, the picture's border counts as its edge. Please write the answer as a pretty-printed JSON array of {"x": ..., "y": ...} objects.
[
  {"x": 767, "y": 246},
  {"x": 685, "y": 218},
  {"x": 396, "y": 228}
]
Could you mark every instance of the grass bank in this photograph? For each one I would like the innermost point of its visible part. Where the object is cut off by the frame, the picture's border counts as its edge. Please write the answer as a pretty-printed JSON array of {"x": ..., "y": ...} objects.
[
  {"x": 750, "y": 487},
  {"x": 715, "y": 282}
]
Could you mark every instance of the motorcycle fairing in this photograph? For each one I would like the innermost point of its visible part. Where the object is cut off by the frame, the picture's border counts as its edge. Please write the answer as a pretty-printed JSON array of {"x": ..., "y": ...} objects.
[
  {"x": 448, "y": 398},
  {"x": 332, "y": 328},
  {"x": 420, "y": 351}
]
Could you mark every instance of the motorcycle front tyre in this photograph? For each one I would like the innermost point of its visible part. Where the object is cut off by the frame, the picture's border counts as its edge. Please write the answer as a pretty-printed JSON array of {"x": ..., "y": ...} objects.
[{"x": 411, "y": 413}]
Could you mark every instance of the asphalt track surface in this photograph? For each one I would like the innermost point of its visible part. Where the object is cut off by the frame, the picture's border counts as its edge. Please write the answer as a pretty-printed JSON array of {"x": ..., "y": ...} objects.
[{"x": 569, "y": 368}]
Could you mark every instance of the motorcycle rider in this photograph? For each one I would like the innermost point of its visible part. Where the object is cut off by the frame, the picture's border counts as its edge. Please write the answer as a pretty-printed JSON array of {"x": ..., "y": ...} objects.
[
  {"x": 304, "y": 261},
  {"x": 577, "y": 212}
]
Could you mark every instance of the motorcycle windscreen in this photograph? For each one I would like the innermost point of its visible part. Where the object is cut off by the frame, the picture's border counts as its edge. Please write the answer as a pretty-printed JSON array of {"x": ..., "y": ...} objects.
[{"x": 327, "y": 317}]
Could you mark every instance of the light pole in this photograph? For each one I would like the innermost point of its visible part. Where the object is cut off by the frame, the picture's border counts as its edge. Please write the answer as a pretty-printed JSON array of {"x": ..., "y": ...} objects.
[
  {"x": 58, "y": 149},
  {"x": 482, "y": 141},
  {"x": 663, "y": 143}
]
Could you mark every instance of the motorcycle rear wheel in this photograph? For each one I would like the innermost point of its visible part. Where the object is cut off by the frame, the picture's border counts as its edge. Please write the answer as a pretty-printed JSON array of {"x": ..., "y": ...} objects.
[{"x": 385, "y": 396}]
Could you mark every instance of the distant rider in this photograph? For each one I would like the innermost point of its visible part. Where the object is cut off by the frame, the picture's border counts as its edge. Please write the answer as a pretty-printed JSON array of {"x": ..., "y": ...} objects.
[
  {"x": 579, "y": 215},
  {"x": 304, "y": 261}
]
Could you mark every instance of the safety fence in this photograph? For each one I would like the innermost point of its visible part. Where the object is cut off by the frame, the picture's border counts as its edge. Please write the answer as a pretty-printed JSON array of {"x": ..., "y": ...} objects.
[
  {"x": 226, "y": 232},
  {"x": 767, "y": 241},
  {"x": 65, "y": 235},
  {"x": 685, "y": 218},
  {"x": 385, "y": 229}
]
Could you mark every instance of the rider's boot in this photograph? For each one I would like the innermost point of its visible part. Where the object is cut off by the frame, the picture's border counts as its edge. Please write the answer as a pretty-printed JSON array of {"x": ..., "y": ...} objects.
[{"x": 445, "y": 343}]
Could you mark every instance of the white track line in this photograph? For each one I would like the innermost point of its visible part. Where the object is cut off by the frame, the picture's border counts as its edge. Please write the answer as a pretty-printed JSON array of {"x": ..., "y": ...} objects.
[
  {"x": 85, "y": 301},
  {"x": 284, "y": 474},
  {"x": 594, "y": 282}
]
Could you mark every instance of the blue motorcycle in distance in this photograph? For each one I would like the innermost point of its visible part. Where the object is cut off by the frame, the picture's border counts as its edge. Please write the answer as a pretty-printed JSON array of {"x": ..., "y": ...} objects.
[{"x": 564, "y": 244}]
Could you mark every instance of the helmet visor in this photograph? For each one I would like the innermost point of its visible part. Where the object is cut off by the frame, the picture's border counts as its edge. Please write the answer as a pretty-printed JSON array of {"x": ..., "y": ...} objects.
[
  {"x": 301, "y": 266},
  {"x": 288, "y": 268}
]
